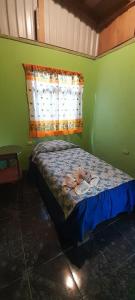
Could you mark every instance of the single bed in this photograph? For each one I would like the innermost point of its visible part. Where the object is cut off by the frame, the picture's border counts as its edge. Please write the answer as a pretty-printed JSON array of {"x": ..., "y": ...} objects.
[{"x": 75, "y": 215}]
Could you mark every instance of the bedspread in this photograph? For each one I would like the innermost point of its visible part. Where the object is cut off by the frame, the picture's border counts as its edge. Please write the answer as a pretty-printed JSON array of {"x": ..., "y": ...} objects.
[{"x": 54, "y": 166}]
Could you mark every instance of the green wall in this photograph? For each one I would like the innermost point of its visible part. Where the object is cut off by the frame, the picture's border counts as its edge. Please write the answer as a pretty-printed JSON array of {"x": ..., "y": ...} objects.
[
  {"x": 113, "y": 126},
  {"x": 108, "y": 100},
  {"x": 13, "y": 100}
]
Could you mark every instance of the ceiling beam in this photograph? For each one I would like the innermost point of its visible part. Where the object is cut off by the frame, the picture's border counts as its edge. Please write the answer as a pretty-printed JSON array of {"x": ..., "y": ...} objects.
[{"x": 40, "y": 14}]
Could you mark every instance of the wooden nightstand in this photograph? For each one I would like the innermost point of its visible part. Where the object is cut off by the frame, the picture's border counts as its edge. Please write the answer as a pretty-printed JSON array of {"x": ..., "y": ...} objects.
[{"x": 12, "y": 172}]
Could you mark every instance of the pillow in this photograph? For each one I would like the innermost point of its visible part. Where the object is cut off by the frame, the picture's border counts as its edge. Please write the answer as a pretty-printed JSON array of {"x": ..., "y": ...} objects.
[{"x": 51, "y": 146}]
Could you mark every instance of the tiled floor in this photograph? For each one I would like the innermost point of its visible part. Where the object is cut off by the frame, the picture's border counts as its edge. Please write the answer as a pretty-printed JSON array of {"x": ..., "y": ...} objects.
[{"x": 33, "y": 265}]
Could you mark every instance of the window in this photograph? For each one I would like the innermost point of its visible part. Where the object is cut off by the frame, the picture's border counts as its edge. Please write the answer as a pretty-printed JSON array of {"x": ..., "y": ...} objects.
[{"x": 55, "y": 101}]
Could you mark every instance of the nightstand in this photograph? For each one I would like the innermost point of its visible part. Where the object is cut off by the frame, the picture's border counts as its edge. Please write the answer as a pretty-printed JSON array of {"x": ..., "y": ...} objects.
[{"x": 12, "y": 172}]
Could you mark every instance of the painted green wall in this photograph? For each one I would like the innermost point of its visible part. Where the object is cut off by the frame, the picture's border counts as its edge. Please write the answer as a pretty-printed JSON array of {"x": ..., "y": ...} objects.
[
  {"x": 108, "y": 100},
  {"x": 13, "y": 100},
  {"x": 113, "y": 126}
]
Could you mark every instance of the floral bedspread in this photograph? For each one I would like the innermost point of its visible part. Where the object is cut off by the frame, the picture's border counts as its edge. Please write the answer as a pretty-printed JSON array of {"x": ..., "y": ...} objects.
[{"x": 54, "y": 166}]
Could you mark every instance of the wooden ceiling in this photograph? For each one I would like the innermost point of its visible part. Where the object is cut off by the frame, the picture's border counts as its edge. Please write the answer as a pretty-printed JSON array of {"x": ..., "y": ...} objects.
[
  {"x": 99, "y": 12},
  {"x": 104, "y": 11}
]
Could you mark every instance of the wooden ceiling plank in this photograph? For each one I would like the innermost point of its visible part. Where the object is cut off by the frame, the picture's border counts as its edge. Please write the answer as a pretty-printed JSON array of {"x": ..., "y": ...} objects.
[
  {"x": 119, "y": 12},
  {"x": 118, "y": 32}
]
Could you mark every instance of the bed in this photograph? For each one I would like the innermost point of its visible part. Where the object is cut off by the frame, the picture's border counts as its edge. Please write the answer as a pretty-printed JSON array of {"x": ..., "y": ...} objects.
[{"x": 76, "y": 215}]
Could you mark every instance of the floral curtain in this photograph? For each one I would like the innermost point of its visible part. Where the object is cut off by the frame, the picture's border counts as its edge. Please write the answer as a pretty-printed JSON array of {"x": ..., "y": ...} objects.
[{"x": 55, "y": 101}]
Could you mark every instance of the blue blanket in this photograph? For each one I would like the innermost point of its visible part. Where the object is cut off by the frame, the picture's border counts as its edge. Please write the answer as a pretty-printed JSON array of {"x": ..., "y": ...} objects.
[{"x": 104, "y": 206}]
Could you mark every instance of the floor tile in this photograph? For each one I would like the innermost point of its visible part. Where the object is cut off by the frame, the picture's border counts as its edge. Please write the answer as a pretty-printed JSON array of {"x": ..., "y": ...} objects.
[
  {"x": 53, "y": 281},
  {"x": 28, "y": 186},
  {"x": 114, "y": 246},
  {"x": 107, "y": 237},
  {"x": 32, "y": 204},
  {"x": 18, "y": 290},
  {"x": 100, "y": 269},
  {"x": 126, "y": 226},
  {"x": 8, "y": 201},
  {"x": 90, "y": 276},
  {"x": 30, "y": 200},
  {"x": 121, "y": 284},
  {"x": 78, "y": 255},
  {"x": 12, "y": 263},
  {"x": 39, "y": 238},
  {"x": 97, "y": 260},
  {"x": 109, "y": 242},
  {"x": 102, "y": 226}
]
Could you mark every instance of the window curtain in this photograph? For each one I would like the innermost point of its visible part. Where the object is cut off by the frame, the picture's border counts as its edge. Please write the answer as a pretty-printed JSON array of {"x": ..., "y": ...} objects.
[{"x": 54, "y": 100}]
